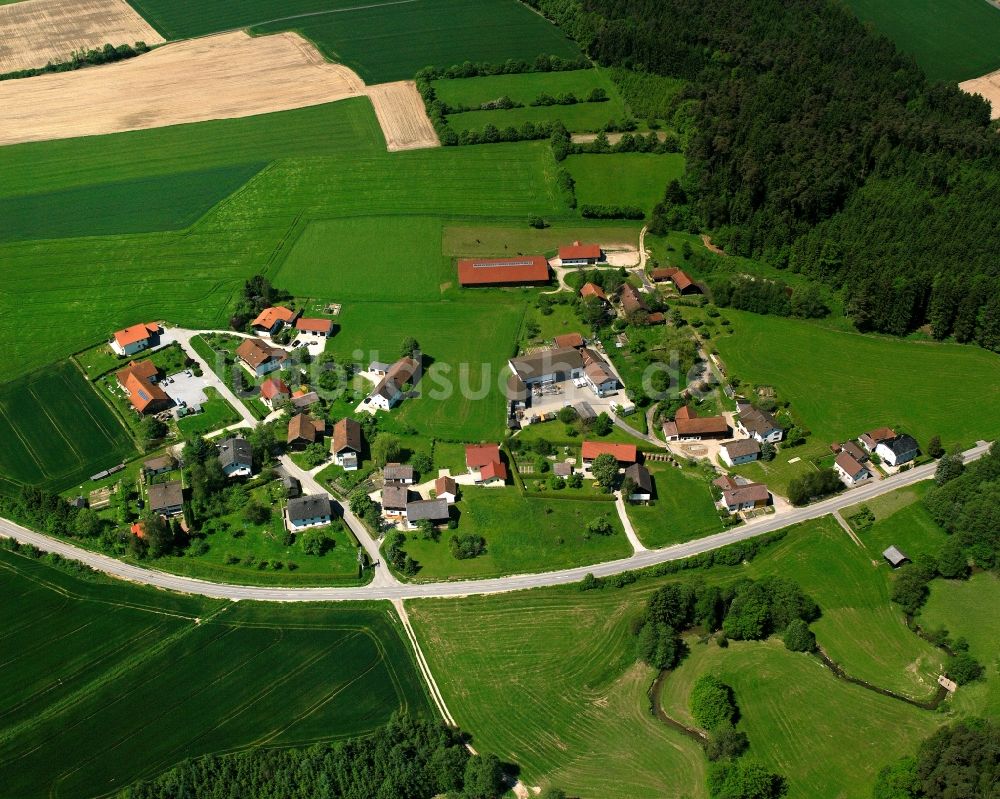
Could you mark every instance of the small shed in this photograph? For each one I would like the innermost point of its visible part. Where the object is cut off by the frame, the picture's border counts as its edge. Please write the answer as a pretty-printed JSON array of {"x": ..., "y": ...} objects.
[{"x": 895, "y": 557}]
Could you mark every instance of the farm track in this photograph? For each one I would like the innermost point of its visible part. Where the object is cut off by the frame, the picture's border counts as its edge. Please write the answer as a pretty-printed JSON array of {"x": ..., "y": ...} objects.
[{"x": 388, "y": 590}]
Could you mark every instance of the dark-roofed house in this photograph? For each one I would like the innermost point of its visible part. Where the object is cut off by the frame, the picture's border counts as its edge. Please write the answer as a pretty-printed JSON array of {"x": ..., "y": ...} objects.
[
  {"x": 236, "y": 457},
  {"x": 394, "y": 499},
  {"x": 899, "y": 450},
  {"x": 400, "y": 473},
  {"x": 530, "y": 270},
  {"x": 312, "y": 510},
  {"x": 759, "y": 425},
  {"x": 851, "y": 449},
  {"x": 303, "y": 399},
  {"x": 259, "y": 357},
  {"x": 303, "y": 430},
  {"x": 742, "y": 450},
  {"x": 577, "y": 254},
  {"x": 895, "y": 557},
  {"x": 745, "y": 497},
  {"x": 432, "y": 510},
  {"x": 389, "y": 392},
  {"x": 517, "y": 393},
  {"x": 849, "y": 469},
  {"x": 632, "y": 300},
  {"x": 447, "y": 489},
  {"x": 167, "y": 499},
  {"x": 159, "y": 465},
  {"x": 346, "y": 444},
  {"x": 562, "y": 469},
  {"x": 642, "y": 482},
  {"x": 291, "y": 485},
  {"x": 548, "y": 366},
  {"x": 574, "y": 340}
]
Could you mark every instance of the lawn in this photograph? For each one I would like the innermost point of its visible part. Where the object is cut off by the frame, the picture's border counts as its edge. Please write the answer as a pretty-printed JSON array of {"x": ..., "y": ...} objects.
[
  {"x": 382, "y": 41},
  {"x": 56, "y": 429},
  {"x": 108, "y": 683},
  {"x": 683, "y": 508},
  {"x": 637, "y": 179},
  {"x": 842, "y": 384},
  {"x": 577, "y": 118},
  {"x": 525, "y": 88},
  {"x": 522, "y": 535},
  {"x": 215, "y": 414},
  {"x": 788, "y": 463},
  {"x": 826, "y": 736},
  {"x": 952, "y": 40},
  {"x": 901, "y": 520},
  {"x": 479, "y": 239}
]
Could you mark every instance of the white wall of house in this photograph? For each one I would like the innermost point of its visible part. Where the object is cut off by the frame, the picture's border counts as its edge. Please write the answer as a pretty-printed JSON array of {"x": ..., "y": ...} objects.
[
  {"x": 314, "y": 521},
  {"x": 889, "y": 457},
  {"x": 348, "y": 460}
]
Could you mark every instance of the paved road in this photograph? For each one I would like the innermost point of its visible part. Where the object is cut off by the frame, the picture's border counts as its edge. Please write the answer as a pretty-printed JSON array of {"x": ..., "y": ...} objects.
[
  {"x": 183, "y": 337},
  {"x": 765, "y": 524}
]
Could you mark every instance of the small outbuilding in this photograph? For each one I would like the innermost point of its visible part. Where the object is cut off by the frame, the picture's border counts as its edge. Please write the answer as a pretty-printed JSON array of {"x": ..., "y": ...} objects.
[{"x": 895, "y": 557}]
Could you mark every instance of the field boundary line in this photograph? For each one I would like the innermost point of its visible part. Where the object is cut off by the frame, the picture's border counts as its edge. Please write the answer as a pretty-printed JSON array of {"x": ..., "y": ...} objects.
[
  {"x": 24, "y": 443},
  {"x": 423, "y": 666}
]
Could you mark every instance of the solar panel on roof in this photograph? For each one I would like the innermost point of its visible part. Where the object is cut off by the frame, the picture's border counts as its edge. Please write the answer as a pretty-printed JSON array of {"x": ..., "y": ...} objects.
[
  {"x": 143, "y": 395},
  {"x": 481, "y": 264}
]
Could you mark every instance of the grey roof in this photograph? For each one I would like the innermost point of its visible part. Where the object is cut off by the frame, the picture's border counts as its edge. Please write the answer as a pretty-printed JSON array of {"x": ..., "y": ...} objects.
[
  {"x": 235, "y": 451},
  {"x": 394, "y": 497},
  {"x": 758, "y": 421},
  {"x": 166, "y": 495},
  {"x": 741, "y": 447},
  {"x": 901, "y": 445},
  {"x": 639, "y": 475},
  {"x": 291, "y": 483},
  {"x": 894, "y": 556},
  {"x": 307, "y": 399},
  {"x": 309, "y": 507},
  {"x": 433, "y": 509},
  {"x": 560, "y": 361},
  {"x": 378, "y": 366},
  {"x": 585, "y": 410},
  {"x": 562, "y": 469},
  {"x": 397, "y": 471}
]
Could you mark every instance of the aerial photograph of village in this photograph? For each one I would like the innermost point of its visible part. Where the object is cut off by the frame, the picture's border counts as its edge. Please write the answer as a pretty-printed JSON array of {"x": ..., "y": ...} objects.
[{"x": 496, "y": 399}]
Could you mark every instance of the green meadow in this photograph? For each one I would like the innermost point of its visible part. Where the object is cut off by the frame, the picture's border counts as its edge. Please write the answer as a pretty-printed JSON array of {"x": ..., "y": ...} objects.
[
  {"x": 381, "y": 41},
  {"x": 56, "y": 430},
  {"x": 683, "y": 508},
  {"x": 577, "y": 118},
  {"x": 843, "y": 383},
  {"x": 526, "y": 87},
  {"x": 637, "y": 179},
  {"x": 952, "y": 40},
  {"x": 499, "y": 239},
  {"x": 107, "y": 683}
]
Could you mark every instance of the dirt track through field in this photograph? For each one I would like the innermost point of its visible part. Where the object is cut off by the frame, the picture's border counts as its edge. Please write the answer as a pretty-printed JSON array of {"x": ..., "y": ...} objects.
[
  {"x": 214, "y": 77},
  {"x": 989, "y": 87},
  {"x": 34, "y": 32}
]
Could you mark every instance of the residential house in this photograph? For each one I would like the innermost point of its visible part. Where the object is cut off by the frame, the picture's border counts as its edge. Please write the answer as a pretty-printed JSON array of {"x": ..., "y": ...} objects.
[
  {"x": 271, "y": 320},
  {"x": 726, "y": 482},
  {"x": 895, "y": 557},
  {"x": 688, "y": 426},
  {"x": 433, "y": 510},
  {"x": 159, "y": 465},
  {"x": 303, "y": 430},
  {"x": 389, "y": 392},
  {"x": 259, "y": 357},
  {"x": 625, "y": 454},
  {"x": 274, "y": 391},
  {"x": 681, "y": 280},
  {"x": 484, "y": 461},
  {"x": 593, "y": 290},
  {"x": 236, "y": 457},
  {"x": 742, "y": 450},
  {"x": 632, "y": 300},
  {"x": 569, "y": 340},
  {"x": 400, "y": 473},
  {"x": 562, "y": 469},
  {"x": 394, "y": 499},
  {"x": 750, "y": 496},
  {"x": 577, "y": 254},
  {"x": 531, "y": 270},
  {"x": 759, "y": 425},
  {"x": 302, "y": 399},
  {"x": 850, "y": 471},
  {"x": 166, "y": 499},
  {"x": 136, "y": 338},
  {"x": 493, "y": 475},
  {"x": 873, "y": 438},
  {"x": 447, "y": 489},
  {"x": 378, "y": 368},
  {"x": 598, "y": 374},
  {"x": 139, "y": 380},
  {"x": 642, "y": 482},
  {"x": 897, "y": 451},
  {"x": 312, "y": 510},
  {"x": 851, "y": 449},
  {"x": 346, "y": 444},
  {"x": 323, "y": 328}
]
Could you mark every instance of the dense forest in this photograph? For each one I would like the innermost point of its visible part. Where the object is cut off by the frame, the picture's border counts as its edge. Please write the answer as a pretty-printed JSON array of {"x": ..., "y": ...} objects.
[{"x": 814, "y": 144}]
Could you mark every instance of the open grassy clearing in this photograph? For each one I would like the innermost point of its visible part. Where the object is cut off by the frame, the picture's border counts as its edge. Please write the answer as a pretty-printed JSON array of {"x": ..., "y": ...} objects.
[
  {"x": 637, "y": 179},
  {"x": 952, "y": 40},
  {"x": 827, "y": 737},
  {"x": 842, "y": 384},
  {"x": 777, "y": 474},
  {"x": 523, "y": 534},
  {"x": 482, "y": 239},
  {"x": 971, "y": 609},
  {"x": 137, "y": 680},
  {"x": 901, "y": 520},
  {"x": 683, "y": 508},
  {"x": 525, "y": 88},
  {"x": 56, "y": 430},
  {"x": 215, "y": 414},
  {"x": 382, "y": 41},
  {"x": 578, "y": 118}
]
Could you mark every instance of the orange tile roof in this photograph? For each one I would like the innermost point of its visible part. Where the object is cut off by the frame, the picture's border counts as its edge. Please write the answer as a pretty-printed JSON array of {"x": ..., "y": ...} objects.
[
  {"x": 577, "y": 250},
  {"x": 445, "y": 485},
  {"x": 478, "y": 455},
  {"x": 593, "y": 290},
  {"x": 130, "y": 335},
  {"x": 273, "y": 387},
  {"x": 623, "y": 453},
  {"x": 313, "y": 325},
  {"x": 569, "y": 340},
  {"x": 486, "y": 271},
  {"x": 493, "y": 470},
  {"x": 701, "y": 425},
  {"x": 269, "y": 316}
]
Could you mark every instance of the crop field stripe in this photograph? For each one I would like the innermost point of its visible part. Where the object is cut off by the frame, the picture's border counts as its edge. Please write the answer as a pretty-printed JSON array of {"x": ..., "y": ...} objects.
[
  {"x": 324, "y": 13},
  {"x": 25, "y": 445},
  {"x": 55, "y": 425}
]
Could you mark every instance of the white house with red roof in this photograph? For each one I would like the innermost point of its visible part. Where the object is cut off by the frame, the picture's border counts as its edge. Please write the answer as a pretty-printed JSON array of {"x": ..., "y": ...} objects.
[
  {"x": 577, "y": 254},
  {"x": 136, "y": 338},
  {"x": 273, "y": 392},
  {"x": 484, "y": 459}
]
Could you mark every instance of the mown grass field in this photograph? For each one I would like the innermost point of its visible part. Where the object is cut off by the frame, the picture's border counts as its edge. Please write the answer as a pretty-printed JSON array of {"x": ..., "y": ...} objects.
[
  {"x": 482, "y": 239},
  {"x": 637, "y": 179},
  {"x": 902, "y": 521},
  {"x": 842, "y": 384},
  {"x": 107, "y": 683},
  {"x": 578, "y": 118},
  {"x": 56, "y": 430},
  {"x": 826, "y": 736},
  {"x": 382, "y": 41},
  {"x": 523, "y": 534},
  {"x": 952, "y": 40},
  {"x": 683, "y": 509},
  {"x": 525, "y": 88}
]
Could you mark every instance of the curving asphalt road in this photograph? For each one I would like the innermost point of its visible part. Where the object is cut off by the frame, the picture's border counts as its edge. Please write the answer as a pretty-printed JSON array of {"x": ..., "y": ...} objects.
[{"x": 394, "y": 591}]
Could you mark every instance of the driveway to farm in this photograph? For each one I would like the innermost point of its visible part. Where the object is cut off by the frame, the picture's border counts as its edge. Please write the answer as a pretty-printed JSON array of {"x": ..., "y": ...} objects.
[{"x": 385, "y": 588}]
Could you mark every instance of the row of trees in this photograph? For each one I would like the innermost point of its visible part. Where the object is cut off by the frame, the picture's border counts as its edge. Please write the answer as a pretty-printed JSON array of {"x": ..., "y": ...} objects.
[
  {"x": 759, "y": 295},
  {"x": 107, "y": 54}
]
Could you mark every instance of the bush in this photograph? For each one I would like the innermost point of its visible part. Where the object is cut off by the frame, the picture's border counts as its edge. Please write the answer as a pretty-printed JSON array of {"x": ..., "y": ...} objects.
[
  {"x": 712, "y": 702},
  {"x": 726, "y": 742},
  {"x": 963, "y": 668},
  {"x": 467, "y": 546},
  {"x": 799, "y": 638}
]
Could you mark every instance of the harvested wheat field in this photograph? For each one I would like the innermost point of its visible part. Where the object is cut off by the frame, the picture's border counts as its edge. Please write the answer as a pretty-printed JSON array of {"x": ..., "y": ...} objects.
[
  {"x": 402, "y": 116},
  {"x": 34, "y": 32},
  {"x": 215, "y": 77},
  {"x": 989, "y": 87}
]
